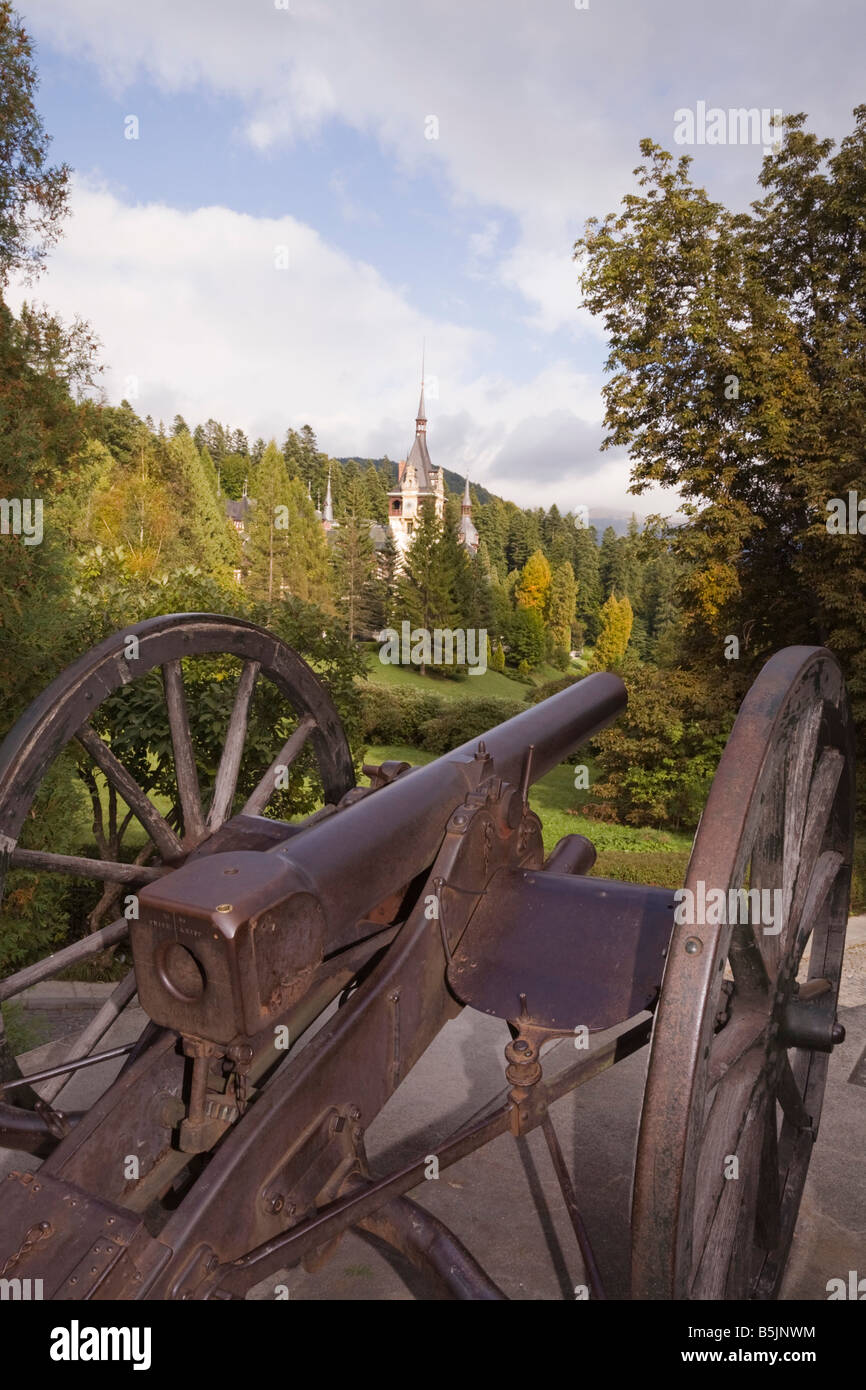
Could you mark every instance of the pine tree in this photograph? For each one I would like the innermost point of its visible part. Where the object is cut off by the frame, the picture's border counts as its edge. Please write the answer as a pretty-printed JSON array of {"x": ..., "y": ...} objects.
[
  {"x": 202, "y": 529},
  {"x": 386, "y": 582},
  {"x": 267, "y": 557},
  {"x": 561, "y": 607},
  {"x": 292, "y": 454},
  {"x": 425, "y": 588},
  {"x": 377, "y": 495},
  {"x": 308, "y": 572},
  {"x": 586, "y": 571},
  {"x": 491, "y": 521},
  {"x": 355, "y": 574},
  {"x": 210, "y": 472}
]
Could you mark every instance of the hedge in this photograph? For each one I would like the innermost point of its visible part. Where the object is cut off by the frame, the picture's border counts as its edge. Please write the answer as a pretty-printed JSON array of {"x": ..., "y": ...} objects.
[{"x": 431, "y": 722}]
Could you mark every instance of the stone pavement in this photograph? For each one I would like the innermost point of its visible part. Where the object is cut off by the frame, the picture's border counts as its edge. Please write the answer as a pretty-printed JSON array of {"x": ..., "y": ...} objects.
[{"x": 504, "y": 1202}]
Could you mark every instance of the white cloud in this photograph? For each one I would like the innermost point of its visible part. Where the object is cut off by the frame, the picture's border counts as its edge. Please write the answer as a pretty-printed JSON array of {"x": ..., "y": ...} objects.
[
  {"x": 540, "y": 107},
  {"x": 193, "y": 312}
]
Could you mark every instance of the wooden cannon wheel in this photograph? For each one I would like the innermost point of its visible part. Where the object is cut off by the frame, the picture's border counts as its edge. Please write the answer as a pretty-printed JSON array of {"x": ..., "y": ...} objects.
[
  {"x": 744, "y": 1028},
  {"x": 65, "y": 712}
]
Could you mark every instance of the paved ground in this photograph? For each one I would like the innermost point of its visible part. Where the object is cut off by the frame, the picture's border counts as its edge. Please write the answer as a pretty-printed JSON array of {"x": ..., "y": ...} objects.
[{"x": 504, "y": 1202}]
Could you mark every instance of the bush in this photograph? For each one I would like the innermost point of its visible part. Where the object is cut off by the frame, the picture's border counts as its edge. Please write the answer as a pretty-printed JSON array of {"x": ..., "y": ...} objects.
[
  {"x": 464, "y": 720},
  {"x": 544, "y": 692},
  {"x": 657, "y": 762},
  {"x": 390, "y": 715},
  {"x": 432, "y": 721}
]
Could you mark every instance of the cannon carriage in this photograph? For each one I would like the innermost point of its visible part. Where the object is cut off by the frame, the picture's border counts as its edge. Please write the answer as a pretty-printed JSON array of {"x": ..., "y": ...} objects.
[{"x": 293, "y": 972}]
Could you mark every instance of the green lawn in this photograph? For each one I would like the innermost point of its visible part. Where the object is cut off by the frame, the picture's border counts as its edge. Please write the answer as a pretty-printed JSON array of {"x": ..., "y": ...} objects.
[
  {"x": 488, "y": 683},
  {"x": 553, "y": 799}
]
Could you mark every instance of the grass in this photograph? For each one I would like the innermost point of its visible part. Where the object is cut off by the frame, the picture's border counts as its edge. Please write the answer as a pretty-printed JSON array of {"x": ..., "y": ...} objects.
[
  {"x": 488, "y": 683},
  {"x": 554, "y": 800}
]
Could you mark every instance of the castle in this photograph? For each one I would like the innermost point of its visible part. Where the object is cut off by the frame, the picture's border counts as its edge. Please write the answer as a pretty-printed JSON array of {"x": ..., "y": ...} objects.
[{"x": 418, "y": 479}]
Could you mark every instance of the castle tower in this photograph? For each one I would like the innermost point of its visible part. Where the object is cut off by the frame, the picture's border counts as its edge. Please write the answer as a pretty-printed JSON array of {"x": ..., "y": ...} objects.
[
  {"x": 417, "y": 479},
  {"x": 466, "y": 532},
  {"x": 328, "y": 510}
]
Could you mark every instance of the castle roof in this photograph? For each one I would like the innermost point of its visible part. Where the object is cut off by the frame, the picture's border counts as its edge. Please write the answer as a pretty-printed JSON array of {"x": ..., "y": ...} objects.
[{"x": 418, "y": 455}]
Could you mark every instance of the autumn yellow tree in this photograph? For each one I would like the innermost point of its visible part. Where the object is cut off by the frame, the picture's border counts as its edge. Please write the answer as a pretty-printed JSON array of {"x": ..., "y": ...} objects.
[
  {"x": 533, "y": 587},
  {"x": 616, "y": 623}
]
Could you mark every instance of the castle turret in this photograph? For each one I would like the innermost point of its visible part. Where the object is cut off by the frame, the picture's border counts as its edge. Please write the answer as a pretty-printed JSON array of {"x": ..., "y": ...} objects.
[{"x": 466, "y": 532}]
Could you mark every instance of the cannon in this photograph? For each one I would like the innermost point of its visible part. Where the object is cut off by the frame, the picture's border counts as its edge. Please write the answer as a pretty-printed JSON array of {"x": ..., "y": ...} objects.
[{"x": 294, "y": 971}]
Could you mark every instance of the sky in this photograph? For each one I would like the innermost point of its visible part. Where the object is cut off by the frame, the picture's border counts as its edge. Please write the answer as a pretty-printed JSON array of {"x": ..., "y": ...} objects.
[{"x": 277, "y": 202}]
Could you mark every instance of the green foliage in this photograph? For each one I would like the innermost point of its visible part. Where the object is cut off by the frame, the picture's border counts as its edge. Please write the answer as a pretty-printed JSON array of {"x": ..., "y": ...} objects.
[
  {"x": 459, "y": 723},
  {"x": 738, "y": 374},
  {"x": 33, "y": 194},
  {"x": 562, "y": 605},
  {"x": 657, "y": 762},
  {"x": 431, "y": 722},
  {"x": 544, "y": 692},
  {"x": 433, "y": 572},
  {"x": 533, "y": 587},
  {"x": 355, "y": 575},
  {"x": 526, "y": 638}
]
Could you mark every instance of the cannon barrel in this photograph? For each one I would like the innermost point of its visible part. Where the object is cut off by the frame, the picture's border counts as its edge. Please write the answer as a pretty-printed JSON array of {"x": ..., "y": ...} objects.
[
  {"x": 351, "y": 858},
  {"x": 231, "y": 939}
]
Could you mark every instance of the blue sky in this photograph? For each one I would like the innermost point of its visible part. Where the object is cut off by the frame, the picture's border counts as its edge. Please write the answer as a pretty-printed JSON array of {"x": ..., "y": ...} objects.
[{"x": 307, "y": 129}]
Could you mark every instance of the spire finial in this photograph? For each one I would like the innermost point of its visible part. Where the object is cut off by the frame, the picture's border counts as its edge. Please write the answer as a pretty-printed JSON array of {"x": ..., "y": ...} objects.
[{"x": 421, "y": 417}]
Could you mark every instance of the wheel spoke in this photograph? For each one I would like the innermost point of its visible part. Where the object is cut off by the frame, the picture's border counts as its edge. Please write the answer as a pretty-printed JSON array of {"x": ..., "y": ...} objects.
[
  {"x": 286, "y": 756},
  {"x": 106, "y": 870},
  {"x": 740, "y": 1034},
  {"x": 230, "y": 761},
  {"x": 721, "y": 1140},
  {"x": 167, "y": 843},
  {"x": 184, "y": 758},
  {"x": 715, "y": 1242},
  {"x": 95, "y": 1030},
  {"x": 800, "y": 763},
  {"x": 766, "y": 871},
  {"x": 823, "y": 877},
  {"x": 767, "y": 1225},
  {"x": 790, "y": 1098},
  {"x": 748, "y": 962},
  {"x": 821, "y": 795}
]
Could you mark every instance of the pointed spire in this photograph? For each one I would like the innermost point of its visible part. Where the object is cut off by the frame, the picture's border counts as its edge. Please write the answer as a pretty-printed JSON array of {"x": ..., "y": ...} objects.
[
  {"x": 421, "y": 417},
  {"x": 328, "y": 513},
  {"x": 467, "y": 501}
]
